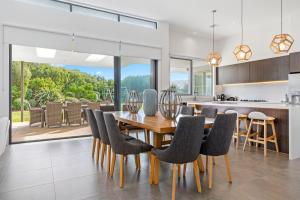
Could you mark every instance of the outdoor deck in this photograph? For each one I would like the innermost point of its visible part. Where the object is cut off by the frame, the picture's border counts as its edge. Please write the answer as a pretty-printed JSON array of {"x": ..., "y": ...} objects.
[{"x": 22, "y": 132}]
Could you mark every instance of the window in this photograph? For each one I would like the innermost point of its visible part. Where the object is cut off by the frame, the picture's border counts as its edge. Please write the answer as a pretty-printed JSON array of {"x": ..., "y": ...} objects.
[
  {"x": 94, "y": 13},
  {"x": 135, "y": 75},
  {"x": 180, "y": 75},
  {"x": 138, "y": 22},
  {"x": 202, "y": 79}
]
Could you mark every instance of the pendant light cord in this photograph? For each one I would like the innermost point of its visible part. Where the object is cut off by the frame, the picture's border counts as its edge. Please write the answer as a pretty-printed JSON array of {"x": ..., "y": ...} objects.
[
  {"x": 213, "y": 26},
  {"x": 281, "y": 17},
  {"x": 242, "y": 19}
]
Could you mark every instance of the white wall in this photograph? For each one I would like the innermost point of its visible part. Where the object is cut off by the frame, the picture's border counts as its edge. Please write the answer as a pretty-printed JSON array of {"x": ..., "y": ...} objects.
[{"x": 14, "y": 13}]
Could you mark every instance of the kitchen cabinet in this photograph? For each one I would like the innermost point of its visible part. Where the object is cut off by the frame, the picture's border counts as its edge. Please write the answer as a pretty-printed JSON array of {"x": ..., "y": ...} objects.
[
  {"x": 295, "y": 62},
  {"x": 273, "y": 69}
]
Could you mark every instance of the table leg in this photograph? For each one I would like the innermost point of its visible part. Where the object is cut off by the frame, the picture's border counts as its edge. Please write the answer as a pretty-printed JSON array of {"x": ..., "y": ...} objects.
[{"x": 157, "y": 139}]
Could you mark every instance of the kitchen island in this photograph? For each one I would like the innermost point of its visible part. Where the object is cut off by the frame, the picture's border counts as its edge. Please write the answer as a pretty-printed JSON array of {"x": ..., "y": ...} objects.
[{"x": 287, "y": 120}]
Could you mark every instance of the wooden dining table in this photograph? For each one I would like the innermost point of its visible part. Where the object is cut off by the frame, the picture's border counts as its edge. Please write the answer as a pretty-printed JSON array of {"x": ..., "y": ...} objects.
[{"x": 159, "y": 125}]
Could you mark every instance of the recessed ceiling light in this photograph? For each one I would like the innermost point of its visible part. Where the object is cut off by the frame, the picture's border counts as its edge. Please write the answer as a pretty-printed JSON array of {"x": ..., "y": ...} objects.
[
  {"x": 94, "y": 58},
  {"x": 45, "y": 53}
]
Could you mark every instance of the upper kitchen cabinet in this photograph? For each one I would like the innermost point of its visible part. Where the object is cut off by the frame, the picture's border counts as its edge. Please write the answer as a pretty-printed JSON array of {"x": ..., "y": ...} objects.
[
  {"x": 227, "y": 74},
  {"x": 295, "y": 62}
]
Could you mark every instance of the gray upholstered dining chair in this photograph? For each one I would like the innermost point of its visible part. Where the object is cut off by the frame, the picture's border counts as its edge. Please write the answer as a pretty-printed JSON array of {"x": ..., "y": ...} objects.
[
  {"x": 95, "y": 133},
  {"x": 120, "y": 145},
  {"x": 105, "y": 142},
  {"x": 209, "y": 112},
  {"x": 187, "y": 110},
  {"x": 183, "y": 149},
  {"x": 218, "y": 142}
]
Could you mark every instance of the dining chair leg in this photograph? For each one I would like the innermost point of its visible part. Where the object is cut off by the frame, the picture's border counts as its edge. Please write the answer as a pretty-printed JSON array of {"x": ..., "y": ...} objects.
[
  {"x": 94, "y": 146},
  {"x": 206, "y": 163},
  {"x": 102, "y": 154},
  {"x": 275, "y": 136},
  {"x": 121, "y": 171},
  {"x": 139, "y": 161},
  {"x": 152, "y": 170},
  {"x": 238, "y": 134},
  {"x": 228, "y": 170},
  {"x": 210, "y": 172},
  {"x": 248, "y": 133},
  {"x": 196, "y": 173},
  {"x": 184, "y": 169},
  {"x": 108, "y": 158},
  {"x": 200, "y": 163},
  {"x": 156, "y": 171},
  {"x": 136, "y": 162},
  {"x": 112, "y": 167},
  {"x": 179, "y": 170},
  {"x": 265, "y": 138},
  {"x": 174, "y": 182},
  {"x": 257, "y": 135},
  {"x": 214, "y": 161},
  {"x": 98, "y": 144}
]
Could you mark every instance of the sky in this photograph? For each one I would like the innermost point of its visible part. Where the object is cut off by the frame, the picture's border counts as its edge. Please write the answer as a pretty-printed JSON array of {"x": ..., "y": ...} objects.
[{"x": 108, "y": 72}]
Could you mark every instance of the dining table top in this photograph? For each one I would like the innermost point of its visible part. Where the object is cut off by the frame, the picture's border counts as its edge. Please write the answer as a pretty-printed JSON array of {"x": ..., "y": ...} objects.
[{"x": 157, "y": 123}]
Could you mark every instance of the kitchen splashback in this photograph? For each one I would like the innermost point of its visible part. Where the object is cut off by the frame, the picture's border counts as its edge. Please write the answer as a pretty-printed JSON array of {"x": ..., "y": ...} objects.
[{"x": 273, "y": 92}]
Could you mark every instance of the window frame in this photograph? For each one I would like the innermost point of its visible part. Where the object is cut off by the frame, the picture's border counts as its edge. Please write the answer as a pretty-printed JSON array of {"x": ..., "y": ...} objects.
[{"x": 190, "y": 75}]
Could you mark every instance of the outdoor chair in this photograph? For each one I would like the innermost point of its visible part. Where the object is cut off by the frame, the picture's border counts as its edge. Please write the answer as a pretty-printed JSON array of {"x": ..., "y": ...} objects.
[{"x": 53, "y": 114}]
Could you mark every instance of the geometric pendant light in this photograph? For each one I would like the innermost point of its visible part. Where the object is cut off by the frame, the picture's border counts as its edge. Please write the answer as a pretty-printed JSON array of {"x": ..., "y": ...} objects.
[
  {"x": 214, "y": 58},
  {"x": 282, "y": 42},
  {"x": 242, "y": 52}
]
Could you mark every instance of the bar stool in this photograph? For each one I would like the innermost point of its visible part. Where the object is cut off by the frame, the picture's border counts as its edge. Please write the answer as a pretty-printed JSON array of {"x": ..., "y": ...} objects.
[
  {"x": 260, "y": 119},
  {"x": 241, "y": 118}
]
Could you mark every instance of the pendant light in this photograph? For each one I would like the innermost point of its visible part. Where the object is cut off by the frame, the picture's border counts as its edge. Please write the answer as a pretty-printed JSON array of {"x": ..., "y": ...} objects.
[
  {"x": 282, "y": 42},
  {"x": 242, "y": 52},
  {"x": 214, "y": 58}
]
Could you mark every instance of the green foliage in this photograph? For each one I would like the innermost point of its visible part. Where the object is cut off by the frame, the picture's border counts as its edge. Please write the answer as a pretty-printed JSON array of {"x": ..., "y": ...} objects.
[
  {"x": 71, "y": 100},
  {"x": 16, "y": 104},
  {"x": 46, "y": 96}
]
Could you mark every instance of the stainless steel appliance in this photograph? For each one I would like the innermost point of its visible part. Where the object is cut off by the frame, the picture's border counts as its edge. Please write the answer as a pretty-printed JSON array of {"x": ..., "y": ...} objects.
[{"x": 294, "y": 89}]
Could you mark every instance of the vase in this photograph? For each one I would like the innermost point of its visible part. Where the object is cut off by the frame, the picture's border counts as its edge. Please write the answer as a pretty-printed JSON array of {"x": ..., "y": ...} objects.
[
  {"x": 150, "y": 102},
  {"x": 169, "y": 104},
  {"x": 134, "y": 102}
]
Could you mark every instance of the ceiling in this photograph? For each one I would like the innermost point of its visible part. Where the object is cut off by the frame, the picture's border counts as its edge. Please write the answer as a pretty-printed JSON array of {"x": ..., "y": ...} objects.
[
  {"x": 194, "y": 16},
  {"x": 29, "y": 54}
]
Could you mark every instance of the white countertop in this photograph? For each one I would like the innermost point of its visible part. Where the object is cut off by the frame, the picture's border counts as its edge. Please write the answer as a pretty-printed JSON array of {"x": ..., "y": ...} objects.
[{"x": 272, "y": 105}]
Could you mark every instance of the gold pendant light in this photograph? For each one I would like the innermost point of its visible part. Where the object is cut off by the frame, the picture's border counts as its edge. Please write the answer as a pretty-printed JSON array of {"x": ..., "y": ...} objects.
[
  {"x": 214, "y": 58},
  {"x": 282, "y": 42},
  {"x": 242, "y": 52}
]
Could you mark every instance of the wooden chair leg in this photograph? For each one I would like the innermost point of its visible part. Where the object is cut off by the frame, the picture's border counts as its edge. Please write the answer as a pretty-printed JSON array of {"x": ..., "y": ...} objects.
[
  {"x": 102, "y": 154},
  {"x": 156, "y": 170},
  {"x": 151, "y": 176},
  {"x": 108, "y": 158},
  {"x": 112, "y": 167},
  {"x": 200, "y": 163},
  {"x": 184, "y": 169},
  {"x": 121, "y": 171},
  {"x": 174, "y": 182},
  {"x": 139, "y": 161},
  {"x": 206, "y": 163},
  {"x": 248, "y": 133},
  {"x": 136, "y": 162},
  {"x": 98, "y": 144},
  {"x": 214, "y": 160},
  {"x": 210, "y": 172},
  {"x": 94, "y": 146},
  {"x": 179, "y": 170},
  {"x": 265, "y": 138},
  {"x": 275, "y": 136},
  {"x": 258, "y": 135},
  {"x": 197, "y": 178},
  {"x": 228, "y": 168}
]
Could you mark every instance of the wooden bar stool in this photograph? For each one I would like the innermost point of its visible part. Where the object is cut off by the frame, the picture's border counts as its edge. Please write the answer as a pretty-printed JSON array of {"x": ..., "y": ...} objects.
[
  {"x": 241, "y": 118},
  {"x": 260, "y": 119}
]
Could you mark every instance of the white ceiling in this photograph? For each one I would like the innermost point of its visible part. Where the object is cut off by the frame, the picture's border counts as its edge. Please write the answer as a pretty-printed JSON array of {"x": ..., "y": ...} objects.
[
  {"x": 194, "y": 16},
  {"x": 28, "y": 54}
]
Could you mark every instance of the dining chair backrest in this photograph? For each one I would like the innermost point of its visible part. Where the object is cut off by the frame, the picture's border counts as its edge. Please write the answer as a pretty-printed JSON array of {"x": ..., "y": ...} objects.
[
  {"x": 107, "y": 108},
  {"x": 102, "y": 127},
  {"x": 93, "y": 105},
  {"x": 220, "y": 136},
  {"x": 74, "y": 112},
  {"x": 187, "y": 140},
  {"x": 209, "y": 112},
  {"x": 114, "y": 134},
  {"x": 53, "y": 113},
  {"x": 187, "y": 110},
  {"x": 92, "y": 122}
]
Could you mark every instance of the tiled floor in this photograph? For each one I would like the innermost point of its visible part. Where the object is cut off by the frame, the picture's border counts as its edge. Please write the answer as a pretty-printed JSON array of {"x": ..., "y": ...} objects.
[{"x": 64, "y": 170}]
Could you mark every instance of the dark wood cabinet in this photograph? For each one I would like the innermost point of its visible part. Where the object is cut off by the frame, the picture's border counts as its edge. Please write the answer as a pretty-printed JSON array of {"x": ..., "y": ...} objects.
[
  {"x": 295, "y": 62},
  {"x": 272, "y": 69}
]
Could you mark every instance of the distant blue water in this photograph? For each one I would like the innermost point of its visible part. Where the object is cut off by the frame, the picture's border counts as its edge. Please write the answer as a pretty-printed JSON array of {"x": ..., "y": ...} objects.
[{"x": 108, "y": 72}]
